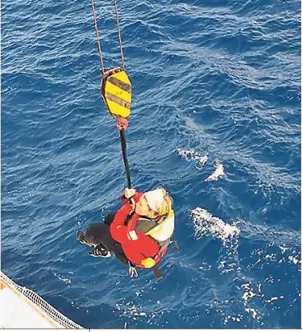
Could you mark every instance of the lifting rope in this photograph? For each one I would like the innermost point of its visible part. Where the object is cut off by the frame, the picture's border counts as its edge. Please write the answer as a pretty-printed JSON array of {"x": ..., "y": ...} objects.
[
  {"x": 119, "y": 35},
  {"x": 115, "y": 87},
  {"x": 99, "y": 39},
  {"x": 116, "y": 93}
]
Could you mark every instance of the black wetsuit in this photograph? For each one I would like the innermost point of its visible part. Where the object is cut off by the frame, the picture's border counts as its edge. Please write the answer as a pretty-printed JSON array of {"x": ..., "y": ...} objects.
[{"x": 99, "y": 234}]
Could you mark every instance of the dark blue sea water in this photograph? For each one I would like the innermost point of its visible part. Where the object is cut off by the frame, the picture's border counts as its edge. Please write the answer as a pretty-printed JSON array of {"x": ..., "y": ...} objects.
[{"x": 215, "y": 119}]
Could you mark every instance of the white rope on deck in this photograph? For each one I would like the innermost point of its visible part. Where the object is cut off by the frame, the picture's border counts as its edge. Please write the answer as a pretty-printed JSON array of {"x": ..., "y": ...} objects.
[{"x": 42, "y": 304}]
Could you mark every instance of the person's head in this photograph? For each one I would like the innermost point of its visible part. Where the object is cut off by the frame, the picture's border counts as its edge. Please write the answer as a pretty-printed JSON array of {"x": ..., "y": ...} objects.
[{"x": 154, "y": 204}]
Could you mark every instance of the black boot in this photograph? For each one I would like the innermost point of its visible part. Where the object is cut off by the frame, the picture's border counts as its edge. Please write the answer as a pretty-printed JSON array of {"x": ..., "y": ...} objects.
[
  {"x": 81, "y": 237},
  {"x": 100, "y": 251}
]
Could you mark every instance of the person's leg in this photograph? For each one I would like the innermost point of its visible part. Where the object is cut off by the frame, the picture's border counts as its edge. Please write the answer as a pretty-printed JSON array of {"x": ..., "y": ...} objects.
[
  {"x": 100, "y": 234},
  {"x": 119, "y": 253},
  {"x": 109, "y": 218}
]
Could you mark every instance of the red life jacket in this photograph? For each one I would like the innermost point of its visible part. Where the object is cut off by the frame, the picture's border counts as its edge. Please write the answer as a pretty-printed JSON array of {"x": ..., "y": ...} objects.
[
  {"x": 145, "y": 226},
  {"x": 143, "y": 246}
]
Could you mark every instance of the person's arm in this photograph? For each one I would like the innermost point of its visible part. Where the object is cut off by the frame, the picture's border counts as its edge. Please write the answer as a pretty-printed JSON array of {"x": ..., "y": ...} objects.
[
  {"x": 132, "y": 223},
  {"x": 118, "y": 229},
  {"x": 136, "y": 197},
  {"x": 119, "y": 232}
]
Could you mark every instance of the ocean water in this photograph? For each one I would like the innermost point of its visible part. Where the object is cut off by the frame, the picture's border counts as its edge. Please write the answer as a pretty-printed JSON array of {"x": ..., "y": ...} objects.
[{"x": 215, "y": 119}]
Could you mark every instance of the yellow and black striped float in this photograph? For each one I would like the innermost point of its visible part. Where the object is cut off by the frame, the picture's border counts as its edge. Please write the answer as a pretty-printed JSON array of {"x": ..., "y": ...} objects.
[{"x": 116, "y": 92}]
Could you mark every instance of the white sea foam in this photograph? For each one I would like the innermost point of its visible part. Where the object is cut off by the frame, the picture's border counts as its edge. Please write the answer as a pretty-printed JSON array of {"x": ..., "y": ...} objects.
[
  {"x": 237, "y": 318},
  {"x": 66, "y": 280},
  {"x": 217, "y": 174},
  {"x": 294, "y": 260},
  {"x": 135, "y": 312},
  {"x": 191, "y": 154},
  {"x": 253, "y": 312},
  {"x": 274, "y": 299},
  {"x": 204, "y": 223},
  {"x": 249, "y": 293}
]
